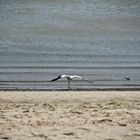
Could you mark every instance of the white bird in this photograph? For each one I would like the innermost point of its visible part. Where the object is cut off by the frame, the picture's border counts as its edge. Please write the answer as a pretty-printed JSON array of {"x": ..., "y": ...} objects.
[{"x": 70, "y": 78}]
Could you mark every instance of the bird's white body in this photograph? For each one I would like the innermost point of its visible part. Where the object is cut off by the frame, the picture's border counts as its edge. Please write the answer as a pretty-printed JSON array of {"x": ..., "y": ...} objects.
[{"x": 69, "y": 78}]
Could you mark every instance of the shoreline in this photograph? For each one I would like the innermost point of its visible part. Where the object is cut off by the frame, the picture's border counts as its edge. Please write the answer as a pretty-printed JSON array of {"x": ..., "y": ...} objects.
[{"x": 76, "y": 89}]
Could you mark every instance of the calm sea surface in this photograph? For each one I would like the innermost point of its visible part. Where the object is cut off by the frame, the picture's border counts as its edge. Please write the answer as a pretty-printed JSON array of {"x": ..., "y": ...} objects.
[{"x": 96, "y": 39}]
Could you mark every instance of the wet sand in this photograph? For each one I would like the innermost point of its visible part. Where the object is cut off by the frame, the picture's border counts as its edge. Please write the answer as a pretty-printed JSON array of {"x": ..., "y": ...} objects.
[{"x": 70, "y": 115}]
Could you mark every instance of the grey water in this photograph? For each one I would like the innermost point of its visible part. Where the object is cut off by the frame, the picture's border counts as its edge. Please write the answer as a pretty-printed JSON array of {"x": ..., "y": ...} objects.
[{"x": 96, "y": 39}]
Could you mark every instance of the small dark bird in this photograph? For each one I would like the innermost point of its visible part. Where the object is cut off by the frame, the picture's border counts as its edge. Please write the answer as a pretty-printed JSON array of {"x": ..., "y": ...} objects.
[
  {"x": 70, "y": 78},
  {"x": 127, "y": 78}
]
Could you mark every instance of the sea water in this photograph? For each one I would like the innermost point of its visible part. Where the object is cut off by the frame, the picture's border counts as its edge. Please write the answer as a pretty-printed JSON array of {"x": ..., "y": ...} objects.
[{"x": 96, "y": 39}]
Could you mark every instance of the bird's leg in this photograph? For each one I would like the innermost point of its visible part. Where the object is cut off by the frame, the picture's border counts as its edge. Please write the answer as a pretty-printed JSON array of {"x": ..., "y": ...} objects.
[
  {"x": 68, "y": 84},
  {"x": 69, "y": 80}
]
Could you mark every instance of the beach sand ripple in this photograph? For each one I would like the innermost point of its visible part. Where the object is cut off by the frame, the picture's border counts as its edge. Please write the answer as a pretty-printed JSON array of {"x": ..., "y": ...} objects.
[{"x": 70, "y": 115}]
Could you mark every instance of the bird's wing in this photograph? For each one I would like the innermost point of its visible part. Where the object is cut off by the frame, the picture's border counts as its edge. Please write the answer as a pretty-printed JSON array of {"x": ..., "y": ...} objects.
[
  {"x": 87, "y": 80},
  {"x": 55, "y": 79},
  {"x": 76, "y": 76}
]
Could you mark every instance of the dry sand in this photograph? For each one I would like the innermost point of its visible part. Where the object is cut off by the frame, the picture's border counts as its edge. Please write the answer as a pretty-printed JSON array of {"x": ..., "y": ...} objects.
[{"x": 70, "y": 115}]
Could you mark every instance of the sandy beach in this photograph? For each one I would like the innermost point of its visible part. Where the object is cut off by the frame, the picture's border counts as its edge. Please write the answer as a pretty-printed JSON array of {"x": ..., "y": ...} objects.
[{"x": 70, "y": 115}]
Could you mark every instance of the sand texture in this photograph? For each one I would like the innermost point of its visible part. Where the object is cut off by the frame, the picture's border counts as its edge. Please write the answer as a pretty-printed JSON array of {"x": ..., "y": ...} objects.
[{"x": 70, "y": 115}]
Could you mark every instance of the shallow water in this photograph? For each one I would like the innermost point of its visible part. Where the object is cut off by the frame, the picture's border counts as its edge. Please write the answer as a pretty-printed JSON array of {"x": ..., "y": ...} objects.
[{"x": 96, "y": 39}]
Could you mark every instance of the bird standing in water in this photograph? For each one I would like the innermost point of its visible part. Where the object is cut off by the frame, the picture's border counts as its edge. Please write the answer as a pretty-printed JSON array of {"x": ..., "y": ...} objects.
[{"x": 70, "y": 78}]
